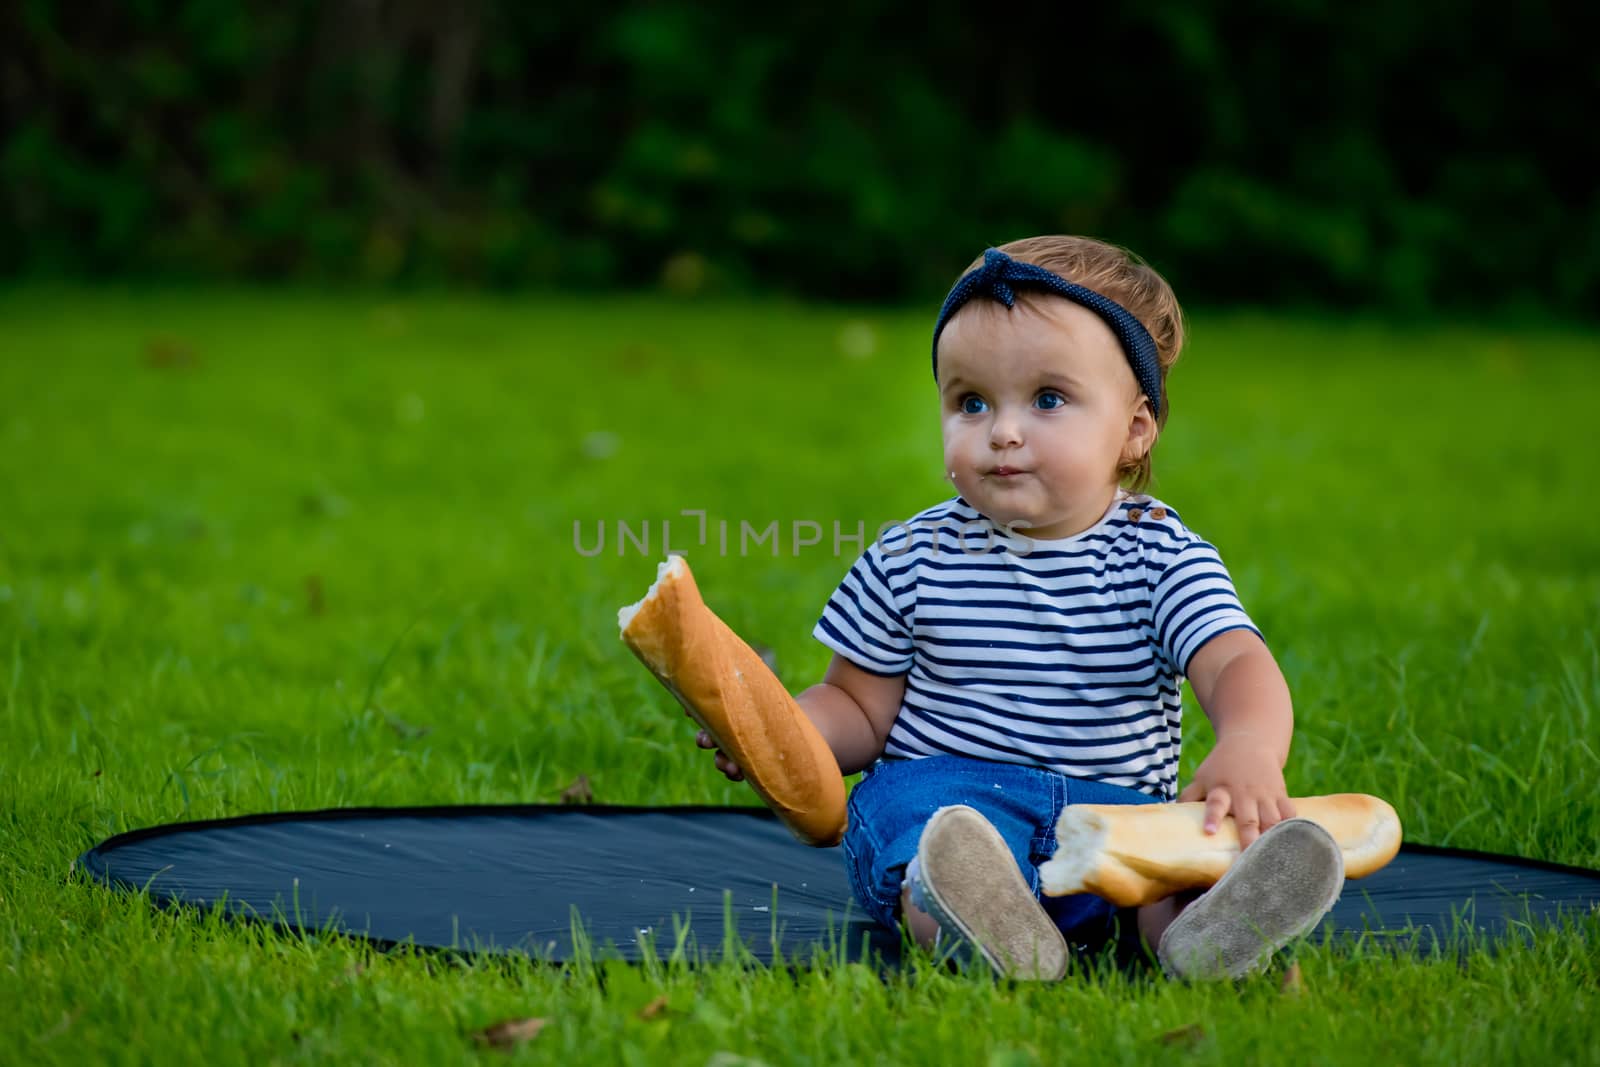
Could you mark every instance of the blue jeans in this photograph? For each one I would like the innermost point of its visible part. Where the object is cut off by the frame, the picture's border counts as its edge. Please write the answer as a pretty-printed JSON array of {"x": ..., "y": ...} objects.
[{"x": 895, "y": 799}]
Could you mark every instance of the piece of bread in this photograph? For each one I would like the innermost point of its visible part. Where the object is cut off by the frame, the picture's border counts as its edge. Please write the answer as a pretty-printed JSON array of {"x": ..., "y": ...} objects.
[
  {"x": 1140, "y": 853},
  {"x": 730, "y": 692}
]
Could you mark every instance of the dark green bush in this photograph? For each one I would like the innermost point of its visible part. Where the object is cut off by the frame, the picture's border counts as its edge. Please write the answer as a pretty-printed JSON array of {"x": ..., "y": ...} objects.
[{"x": 1426, "y": 156}]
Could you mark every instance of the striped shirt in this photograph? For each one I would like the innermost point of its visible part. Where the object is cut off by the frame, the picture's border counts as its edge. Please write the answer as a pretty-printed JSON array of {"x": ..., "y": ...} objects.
[{"x": 1065, "y": 654}]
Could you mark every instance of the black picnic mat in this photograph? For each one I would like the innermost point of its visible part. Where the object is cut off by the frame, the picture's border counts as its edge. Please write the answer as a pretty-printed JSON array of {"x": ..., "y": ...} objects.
[{"x": 702, "y": 881}]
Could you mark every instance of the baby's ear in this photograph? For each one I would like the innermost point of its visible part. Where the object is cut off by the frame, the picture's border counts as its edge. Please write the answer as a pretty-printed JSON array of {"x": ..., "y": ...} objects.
[{"x": 1142, "y": 430}]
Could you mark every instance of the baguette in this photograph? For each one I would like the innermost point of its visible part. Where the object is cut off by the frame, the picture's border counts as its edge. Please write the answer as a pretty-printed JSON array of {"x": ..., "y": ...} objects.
[
  {"x": 1138, "y": 854},
  {"x": 725, "y": 687}
]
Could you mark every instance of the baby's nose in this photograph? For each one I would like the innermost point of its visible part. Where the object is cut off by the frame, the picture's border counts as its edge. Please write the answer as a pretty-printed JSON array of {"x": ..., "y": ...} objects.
[{"x": 1006, "y": 431}]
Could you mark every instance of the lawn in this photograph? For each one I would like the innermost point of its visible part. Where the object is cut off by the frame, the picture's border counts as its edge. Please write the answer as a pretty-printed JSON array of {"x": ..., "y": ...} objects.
[{"x": 269, "y": 551}]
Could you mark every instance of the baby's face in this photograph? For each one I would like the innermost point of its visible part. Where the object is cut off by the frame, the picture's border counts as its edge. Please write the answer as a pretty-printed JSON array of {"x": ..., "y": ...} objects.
[{"x": 1038, "y": 406}]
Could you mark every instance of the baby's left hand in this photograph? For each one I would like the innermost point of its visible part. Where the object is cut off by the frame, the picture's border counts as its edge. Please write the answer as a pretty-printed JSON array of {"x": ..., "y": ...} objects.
[{"x": 1241, "y": 778}]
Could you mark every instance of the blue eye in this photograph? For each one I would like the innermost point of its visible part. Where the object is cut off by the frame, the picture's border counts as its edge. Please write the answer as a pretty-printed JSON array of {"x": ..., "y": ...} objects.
[
  {"x": 1051, "y": 395},
  {"x": 972, "y": 404}
]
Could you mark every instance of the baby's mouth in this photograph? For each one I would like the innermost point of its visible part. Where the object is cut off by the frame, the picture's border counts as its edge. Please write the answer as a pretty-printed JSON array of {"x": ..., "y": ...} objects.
[{"x": 1006, "y": 472}]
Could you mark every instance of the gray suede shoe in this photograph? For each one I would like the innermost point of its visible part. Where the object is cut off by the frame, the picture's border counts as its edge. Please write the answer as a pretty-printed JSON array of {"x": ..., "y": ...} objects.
[
  {"x": 970, "y": 884},
  {"x": 1277, "y": 890}
]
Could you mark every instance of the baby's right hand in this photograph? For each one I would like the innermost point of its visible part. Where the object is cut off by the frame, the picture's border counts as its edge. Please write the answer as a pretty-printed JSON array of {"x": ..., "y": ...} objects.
[{"x": 724, "y": 764}]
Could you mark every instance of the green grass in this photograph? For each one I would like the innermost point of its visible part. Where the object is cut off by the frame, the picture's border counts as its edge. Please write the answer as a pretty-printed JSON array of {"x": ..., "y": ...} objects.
[{"x": 267, "y": 551}]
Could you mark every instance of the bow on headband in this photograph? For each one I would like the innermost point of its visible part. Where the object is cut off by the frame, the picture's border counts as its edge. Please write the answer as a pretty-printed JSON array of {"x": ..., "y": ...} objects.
[{"x": 1000, "y": 274}]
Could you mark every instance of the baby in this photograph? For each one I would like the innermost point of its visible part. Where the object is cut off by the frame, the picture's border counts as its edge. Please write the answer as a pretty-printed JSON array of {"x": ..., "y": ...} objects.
[{"x": 1020, "y": 647}]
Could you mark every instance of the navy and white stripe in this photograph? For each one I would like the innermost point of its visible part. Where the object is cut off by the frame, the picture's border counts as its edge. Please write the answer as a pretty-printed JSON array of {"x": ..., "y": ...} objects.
[{"x": 1064, "y": 654}]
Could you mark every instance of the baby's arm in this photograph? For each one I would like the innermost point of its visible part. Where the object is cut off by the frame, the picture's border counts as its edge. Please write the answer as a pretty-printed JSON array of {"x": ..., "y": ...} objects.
[
  {"x": 851, "y": 708},
  {"x": 1244, "y": 694}
]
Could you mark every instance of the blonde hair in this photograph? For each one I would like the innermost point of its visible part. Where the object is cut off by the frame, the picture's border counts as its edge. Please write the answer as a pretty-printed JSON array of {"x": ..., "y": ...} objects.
[{"x": 1119, "y": 275}]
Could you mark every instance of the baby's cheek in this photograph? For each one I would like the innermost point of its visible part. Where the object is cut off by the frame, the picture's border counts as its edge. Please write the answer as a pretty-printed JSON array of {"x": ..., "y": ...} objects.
[{"x": 952, "y": 449}]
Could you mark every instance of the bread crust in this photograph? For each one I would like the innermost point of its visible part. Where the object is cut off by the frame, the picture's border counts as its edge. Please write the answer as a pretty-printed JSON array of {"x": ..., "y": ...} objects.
[
  {"x": 725, "y": 687},
  {"x": 1138, "y": 854}
]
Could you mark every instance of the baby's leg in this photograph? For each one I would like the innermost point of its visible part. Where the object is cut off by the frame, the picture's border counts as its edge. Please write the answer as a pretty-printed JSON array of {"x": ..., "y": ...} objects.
[
  {"x": 966, "y": 878},
  {"x": 1277, "y": 890},
  {"x": 924, "y": 928},
  {"x": 1155, "y": 918},
  {"x": 977, "y": 862}
]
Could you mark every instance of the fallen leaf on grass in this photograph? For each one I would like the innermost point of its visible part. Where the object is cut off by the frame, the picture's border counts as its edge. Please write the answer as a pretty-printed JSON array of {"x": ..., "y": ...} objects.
[
  {"x": 509, "y": 1033},
  {"x": 635, "y": 358},
  {"x": 1293, "y": 984},
  {"x": 1184, "y": 1036},
  {"x": 168, "y": 353},
  {"x": 578, "y": 792},
  {"x": 654, "y": 1008},
  {"x": 403, "y": 728},
  {"x": 67, "y": 1019}
]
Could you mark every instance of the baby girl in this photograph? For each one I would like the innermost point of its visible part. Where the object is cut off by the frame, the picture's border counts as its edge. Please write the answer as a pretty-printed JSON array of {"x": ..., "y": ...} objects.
[{"x": 1021, "y": 647}]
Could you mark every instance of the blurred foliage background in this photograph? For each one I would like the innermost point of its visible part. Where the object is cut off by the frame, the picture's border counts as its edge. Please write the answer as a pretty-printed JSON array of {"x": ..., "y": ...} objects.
[{"x": 1417, "y": 157}]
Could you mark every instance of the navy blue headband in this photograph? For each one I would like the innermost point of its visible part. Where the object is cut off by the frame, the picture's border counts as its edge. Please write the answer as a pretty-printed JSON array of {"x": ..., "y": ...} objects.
[{"x": 1000, "y": 274}]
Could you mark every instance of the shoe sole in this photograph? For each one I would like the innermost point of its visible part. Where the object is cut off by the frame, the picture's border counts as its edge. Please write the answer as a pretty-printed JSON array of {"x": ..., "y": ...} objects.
[
  {"x": 1277, "y": 890},
  {"x": 971, "y": 884}
]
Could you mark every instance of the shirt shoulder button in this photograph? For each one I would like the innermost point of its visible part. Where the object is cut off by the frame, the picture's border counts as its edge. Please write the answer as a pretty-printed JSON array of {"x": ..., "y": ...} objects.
[
  {"x": 1135, "y": 514},
  {"x": 1158, "y": 513}
]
